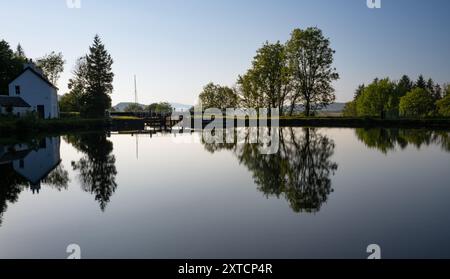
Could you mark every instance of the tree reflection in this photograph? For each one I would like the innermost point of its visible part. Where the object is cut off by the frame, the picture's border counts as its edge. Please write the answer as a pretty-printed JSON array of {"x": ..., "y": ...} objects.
[
  {"x": 58, "y": 178},
  {"x": 97, "y": 169},
  {"x": 300, "y": 171},
  {"x": 11, "y": 185},
  {"x": 386, "y": 140}
]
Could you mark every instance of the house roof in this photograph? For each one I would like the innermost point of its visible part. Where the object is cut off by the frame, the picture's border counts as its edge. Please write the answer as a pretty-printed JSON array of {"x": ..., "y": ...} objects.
[
  {"x": 6, "y": 101},
  {"x": 13, "y": 156},
  {"x": 35, "y": 73}
]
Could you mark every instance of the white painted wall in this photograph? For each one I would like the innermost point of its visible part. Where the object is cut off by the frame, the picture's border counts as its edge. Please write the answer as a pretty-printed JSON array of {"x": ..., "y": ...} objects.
[{"x": 35, "y": 91}]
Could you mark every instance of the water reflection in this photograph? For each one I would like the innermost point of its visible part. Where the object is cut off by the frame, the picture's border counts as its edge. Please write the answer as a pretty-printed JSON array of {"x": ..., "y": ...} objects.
[
  {"x": 97, "y": 169},
  {"x": 28, "y": 166},
  {"x": 386, "y": 140},
  {"x": 300, "y": 171}
]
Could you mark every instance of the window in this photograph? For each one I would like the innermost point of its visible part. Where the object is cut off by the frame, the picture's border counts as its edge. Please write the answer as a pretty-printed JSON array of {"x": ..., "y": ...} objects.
[{"x": 17, "y": 90}]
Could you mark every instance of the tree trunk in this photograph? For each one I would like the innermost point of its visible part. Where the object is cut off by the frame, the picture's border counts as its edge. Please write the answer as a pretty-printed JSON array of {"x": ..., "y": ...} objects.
[{"x": 308, "y": 108}]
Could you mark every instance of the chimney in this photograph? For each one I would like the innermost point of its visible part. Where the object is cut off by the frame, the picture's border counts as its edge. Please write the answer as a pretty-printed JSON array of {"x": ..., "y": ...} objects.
[{"x": 30, "y": 64}]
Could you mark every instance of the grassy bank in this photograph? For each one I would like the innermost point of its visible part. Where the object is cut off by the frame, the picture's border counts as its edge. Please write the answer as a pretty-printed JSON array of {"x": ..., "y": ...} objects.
[{"x": 11, "y": 126}]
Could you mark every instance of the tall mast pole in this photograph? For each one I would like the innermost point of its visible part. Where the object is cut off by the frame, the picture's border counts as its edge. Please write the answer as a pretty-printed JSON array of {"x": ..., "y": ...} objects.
[{"x": 135, "y": 91}]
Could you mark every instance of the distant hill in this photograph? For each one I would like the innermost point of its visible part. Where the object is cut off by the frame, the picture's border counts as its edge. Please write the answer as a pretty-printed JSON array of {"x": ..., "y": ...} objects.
[{"x": 120, "y": 107}]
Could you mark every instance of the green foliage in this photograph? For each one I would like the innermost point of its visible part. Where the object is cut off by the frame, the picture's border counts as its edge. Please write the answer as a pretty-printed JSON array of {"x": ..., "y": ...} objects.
[
  {"x": 269, "y": 75},
  {"x": 378, "y": 99},
  {"x": 52, "y": 65},
  {"x": 310, "y": 60},
  {"x": 99, "y": 78},
  {"x": 404, "y": 86},
  {"x": 10, "y": 66},
  {"x": 216, "y": 96},
  {"x": 417, "y": 103},
  {"x": 350, "y": 109},
  {"x": 443, "y": 105},
  {"x": 298, "y": 73},
  {"x": 421, "y": 83},
  {"x": 73, "y": 101},
  {"x": 20, "y": 53}
]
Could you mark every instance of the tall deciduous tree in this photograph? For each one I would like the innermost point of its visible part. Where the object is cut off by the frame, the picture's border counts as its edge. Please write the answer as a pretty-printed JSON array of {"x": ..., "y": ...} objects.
[
  {"x": 52, "y": 65},
  {"x": 99, "y": 80},
  {"x": 310, "y": 59},
  {"x": 271, "y": 76},
  {"x": 73, "y": 101}
]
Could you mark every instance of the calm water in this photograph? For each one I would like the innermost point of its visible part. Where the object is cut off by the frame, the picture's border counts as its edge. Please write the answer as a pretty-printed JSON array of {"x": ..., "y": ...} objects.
[{"x": 327, "y": 193}]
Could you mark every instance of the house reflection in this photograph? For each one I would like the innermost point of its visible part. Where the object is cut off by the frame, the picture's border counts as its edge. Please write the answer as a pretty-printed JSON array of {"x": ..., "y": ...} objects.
[{"x": 28, "y": 165}]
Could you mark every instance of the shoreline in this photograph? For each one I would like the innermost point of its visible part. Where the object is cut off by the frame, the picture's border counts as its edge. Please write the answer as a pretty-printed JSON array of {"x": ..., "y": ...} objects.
[{"x": 24, "y": 127}]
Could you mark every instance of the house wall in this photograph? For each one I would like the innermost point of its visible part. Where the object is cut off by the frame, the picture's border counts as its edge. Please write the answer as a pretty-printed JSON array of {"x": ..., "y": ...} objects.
[
  {"x": 39, "y": 162},
  {"x": 16, "y": 111},
  {"x": 35, "y": 91}
]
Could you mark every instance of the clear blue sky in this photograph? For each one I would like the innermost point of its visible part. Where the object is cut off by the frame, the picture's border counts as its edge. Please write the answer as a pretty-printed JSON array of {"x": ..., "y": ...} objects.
[{"x": 175, "y": 47}]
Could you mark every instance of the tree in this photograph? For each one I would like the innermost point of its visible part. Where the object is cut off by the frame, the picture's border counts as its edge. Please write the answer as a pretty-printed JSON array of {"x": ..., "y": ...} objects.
[
  {"x": 52, "y": 65},
  {"x": 404, "y": 86},
  {"x": 20, "y": 53},
  {"x": 99, "y": 78},
  {"x": 417, "y": 103},
  {"x": 443, "y": 105},
  {"x": 420, "y": 83},
  {"x": 248, "y": 88},
  {"x": 359, "y": 91},
  {"x": 270, "y": 75},
  {"x": 216, "y": 96},
  {"x": 10, "y": 66},
  {"x": 73, "y": 101},
  {"x": 350, "y": 109},
  {"x": 310, "y": 60},
  {"x": 378, "y": 99}
]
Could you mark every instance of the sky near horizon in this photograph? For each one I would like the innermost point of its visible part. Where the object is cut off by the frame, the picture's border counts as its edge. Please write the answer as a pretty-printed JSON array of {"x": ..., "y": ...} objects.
[{"x": 175, "y": 47}]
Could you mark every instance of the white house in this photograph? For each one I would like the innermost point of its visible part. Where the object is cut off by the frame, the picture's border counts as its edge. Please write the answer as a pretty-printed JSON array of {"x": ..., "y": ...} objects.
[{"x": 37, "y": 92}]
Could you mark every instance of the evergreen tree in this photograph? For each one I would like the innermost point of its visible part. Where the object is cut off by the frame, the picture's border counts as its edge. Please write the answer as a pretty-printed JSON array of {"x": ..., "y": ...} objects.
[
  {"x": 99, "y": 81},
  {"x": 359, "y": 91},
  {"x": 10, "y": 66},
  {"x": 20, "y": 53},
  {"x": 421, "y": 83},
  {"x": 404, "y": 86}
]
